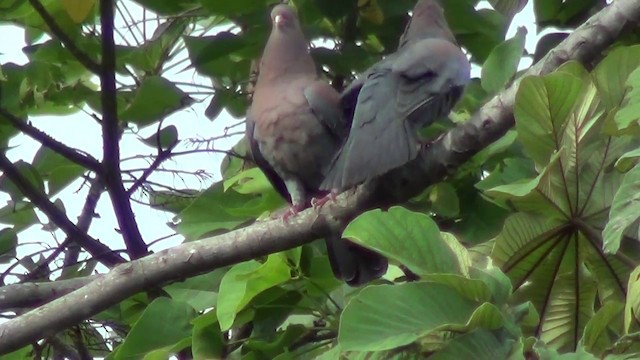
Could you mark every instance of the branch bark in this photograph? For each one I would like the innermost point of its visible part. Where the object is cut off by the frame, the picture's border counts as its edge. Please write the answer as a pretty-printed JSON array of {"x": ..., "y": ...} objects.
[
  {"x": 29, "y": 295},
  {"x": 260, "y": 239}
]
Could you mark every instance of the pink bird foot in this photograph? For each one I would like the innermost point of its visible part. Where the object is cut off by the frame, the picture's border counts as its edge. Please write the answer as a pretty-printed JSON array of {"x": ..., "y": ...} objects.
[
  {"x": 292, "y": 211},
  {"x": 317, "y": 204}
]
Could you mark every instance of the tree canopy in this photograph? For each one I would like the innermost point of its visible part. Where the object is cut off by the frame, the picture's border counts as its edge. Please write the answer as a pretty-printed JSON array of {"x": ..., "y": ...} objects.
[{"x": 514, "y": 235}]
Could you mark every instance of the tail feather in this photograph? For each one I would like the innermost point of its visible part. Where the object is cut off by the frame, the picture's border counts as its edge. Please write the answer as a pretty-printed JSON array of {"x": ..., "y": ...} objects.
[{"x": 352, "y": 263}]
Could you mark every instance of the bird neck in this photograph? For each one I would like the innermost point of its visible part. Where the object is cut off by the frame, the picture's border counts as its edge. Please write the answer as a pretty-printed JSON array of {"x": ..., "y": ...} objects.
[
  {"x": 285, "y": 55},
  {"x": 427, "y": 23}
]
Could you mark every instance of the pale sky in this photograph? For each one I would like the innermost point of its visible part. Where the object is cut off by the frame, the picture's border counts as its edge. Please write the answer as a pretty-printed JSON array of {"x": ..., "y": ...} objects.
[{"x": 81, "y": 132}]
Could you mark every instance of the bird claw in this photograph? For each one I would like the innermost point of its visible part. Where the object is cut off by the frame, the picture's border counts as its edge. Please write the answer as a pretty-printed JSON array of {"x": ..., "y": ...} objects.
[
  {"x": 292, "y": 211},
  {"x": 317, "y": 204}
]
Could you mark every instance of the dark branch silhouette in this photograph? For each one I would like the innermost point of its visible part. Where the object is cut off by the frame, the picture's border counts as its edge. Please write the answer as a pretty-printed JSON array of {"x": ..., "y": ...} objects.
[
  {"x": 100, "y": 251},
  {"x": 84, "y": 160},
  {"x": 111, "y": 133}
]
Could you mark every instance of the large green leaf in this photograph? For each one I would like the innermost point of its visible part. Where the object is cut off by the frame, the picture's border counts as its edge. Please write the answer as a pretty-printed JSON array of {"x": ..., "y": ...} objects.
[
  {"x": 156, "y": 98},
  {"x": 207, "y": 339},
  {"x": 502, "y": 63},
  {"x": 409, "y": 238},
  {"x": 542, "y": 110},
  {"x": 611, "y": 74},
  {"x": 246, "y": 280},
  {"x": 625, "y": 210},
  {"x": 217, "y": 209},
  {"x": 201, "y": 292},
  {"x": 478, "y": 345},
  {"x": 57, "y": 170},
  {"x": 375, "y": 320},
  {"x": 163, "y": 323}
]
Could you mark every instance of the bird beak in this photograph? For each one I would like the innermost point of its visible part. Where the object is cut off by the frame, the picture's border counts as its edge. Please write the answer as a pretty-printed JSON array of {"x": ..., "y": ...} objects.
[{"x": 279, "y": 20}]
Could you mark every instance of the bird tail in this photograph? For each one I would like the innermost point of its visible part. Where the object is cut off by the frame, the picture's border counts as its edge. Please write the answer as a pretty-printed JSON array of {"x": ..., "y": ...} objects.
[{"x": 352, "y": 263}]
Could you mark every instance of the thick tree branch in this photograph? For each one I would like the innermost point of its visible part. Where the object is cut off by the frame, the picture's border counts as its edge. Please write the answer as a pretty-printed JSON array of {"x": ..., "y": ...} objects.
[
  {"x": 260, "y": 239},
  {"x": 111, "y": 138},
  {"x": 29, "y": 295},
  {"x": 98, "y": 250},
  {"x": 83, "y": 58},
  {"x": 84, "y": 160}
]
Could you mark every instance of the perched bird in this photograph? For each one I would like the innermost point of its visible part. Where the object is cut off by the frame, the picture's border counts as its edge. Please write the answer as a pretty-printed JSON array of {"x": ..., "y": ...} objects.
[
  {"x": 295, "y": 127},
  {"x": 396, "y": 97}
]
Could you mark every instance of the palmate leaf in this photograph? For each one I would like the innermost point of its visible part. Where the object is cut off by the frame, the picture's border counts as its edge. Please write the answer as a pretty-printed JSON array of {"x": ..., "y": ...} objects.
[{"x": 552, "y": 250}]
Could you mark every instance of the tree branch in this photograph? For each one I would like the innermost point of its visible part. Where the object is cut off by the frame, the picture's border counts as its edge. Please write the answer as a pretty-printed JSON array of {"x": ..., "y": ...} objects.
[
  {"x": 136, "y": 247},
  {"x": 84, "y": 221},
  {"x": 162, "y": 156},
  {"x": 260, "y": 239},
  {"x": 99, "y": 250},
  {"x": 29, "y": 295},
  {"x": 72, "y": 248},
  {"x": 83, "y": 58},
  {"x": 84, "y": 160}
]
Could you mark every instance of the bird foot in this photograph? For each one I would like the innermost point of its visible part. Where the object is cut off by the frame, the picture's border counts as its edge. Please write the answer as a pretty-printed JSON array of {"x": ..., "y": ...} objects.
[
  {"x": 292, "y": 211},
  {"x": 317, "y": 204}
]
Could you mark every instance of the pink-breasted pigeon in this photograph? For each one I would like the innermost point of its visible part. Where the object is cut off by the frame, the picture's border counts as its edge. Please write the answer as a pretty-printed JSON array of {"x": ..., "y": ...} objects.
[
  {"x": 396, "y": 97},
  {"x": 295, "y": 127}
]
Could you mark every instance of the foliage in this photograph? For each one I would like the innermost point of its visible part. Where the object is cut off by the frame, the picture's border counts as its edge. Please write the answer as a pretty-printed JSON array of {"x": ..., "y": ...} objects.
[{"x": 530, "y": 250}]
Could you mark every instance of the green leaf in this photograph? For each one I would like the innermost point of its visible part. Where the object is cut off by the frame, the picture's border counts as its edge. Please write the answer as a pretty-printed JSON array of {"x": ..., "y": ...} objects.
[
  {"x": 611, "y": 74},
  {"x": 632, "y": 305},
  {"x": 409, "y": 238},
  {"x": 222, "y": 55},
  {"x": 201, "y": 292},
  {"x": 546, "y": 10},
  {"x": 445, "y": 200},
  {"x": 245, "y": 281},
  {"x": 19, "y": 214},
  {"x": 163, "y": 323},
  {"x": 475, "y": 290},
  {"x": 29, "y": 172},
  {"x": 207, "y": 340},
  {"x": 502, "y": 63},
  {"x": 375, "y": 320},
  {"x": 163, "y": 139},
  {"x": 627, "y": 117},
  {"x": 78, "y": 10},
  {"x": 8, "y": 245},
  {"x": 627, "y": 161},
  {"x": 508, "y": 7},
  {"x": 625, "y": 210},
  {"x": 479, "y": 344},
  {"x": 595, "y": 338},
  {"x": 156, "y": 98},
  {"x": 216, "y": 209},
  {"x": 543, "y": 107}
]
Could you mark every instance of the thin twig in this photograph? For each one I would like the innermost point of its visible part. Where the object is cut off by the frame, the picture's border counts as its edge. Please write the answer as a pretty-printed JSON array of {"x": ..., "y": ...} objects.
[{"x": 82, "y": 159}]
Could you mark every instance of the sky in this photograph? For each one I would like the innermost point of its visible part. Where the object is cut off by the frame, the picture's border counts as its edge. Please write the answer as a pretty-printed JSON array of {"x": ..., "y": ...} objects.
[{"x": 81, "y": 132}]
